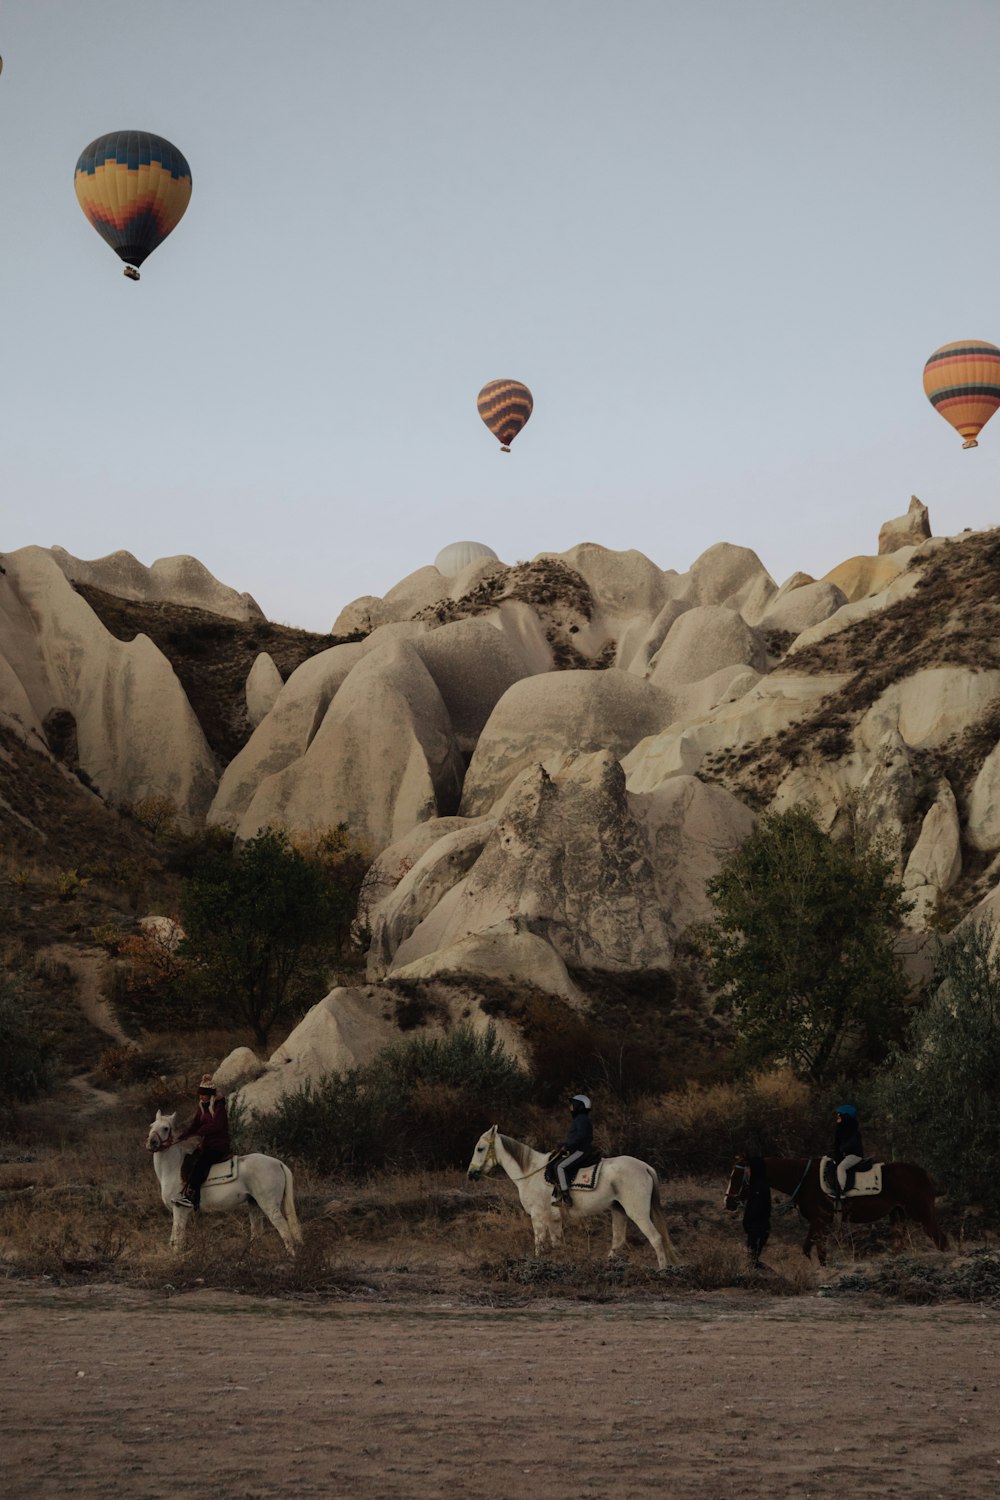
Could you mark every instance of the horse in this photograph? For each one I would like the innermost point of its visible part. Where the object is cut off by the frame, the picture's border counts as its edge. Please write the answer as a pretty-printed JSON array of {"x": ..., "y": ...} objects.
[
  {"x": 627, "y": 1186},
  {"x": 262, "y": 1182},
  {"x": 906, "y": 1191}
]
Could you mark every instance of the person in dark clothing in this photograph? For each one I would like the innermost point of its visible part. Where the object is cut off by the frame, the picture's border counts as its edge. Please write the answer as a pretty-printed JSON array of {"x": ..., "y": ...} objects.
[
  {"x": 577, "y": 1150},
  {"x": 211, "y": 1125},
  {"x": 847, "y": 1147},
  {"x": 757, "y": 1211}
]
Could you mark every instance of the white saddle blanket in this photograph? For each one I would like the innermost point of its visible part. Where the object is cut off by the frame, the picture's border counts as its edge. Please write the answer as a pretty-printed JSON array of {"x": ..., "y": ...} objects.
[
  {"x": 866, "y": 1184},
  {"x": 223, "y": 1171},
  {"x": 587, "y": 1176}
]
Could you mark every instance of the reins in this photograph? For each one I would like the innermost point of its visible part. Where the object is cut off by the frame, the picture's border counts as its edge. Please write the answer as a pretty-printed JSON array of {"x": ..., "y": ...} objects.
[{"x": 785, "y": 1208}]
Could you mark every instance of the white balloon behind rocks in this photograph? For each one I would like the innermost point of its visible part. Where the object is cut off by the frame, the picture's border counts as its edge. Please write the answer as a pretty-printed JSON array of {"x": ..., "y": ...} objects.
[{"x": 457, "y": 556}]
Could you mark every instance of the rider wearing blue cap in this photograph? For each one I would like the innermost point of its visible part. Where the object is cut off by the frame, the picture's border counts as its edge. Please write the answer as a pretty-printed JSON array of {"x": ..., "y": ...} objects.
[{"x": 847, "y": 1147}]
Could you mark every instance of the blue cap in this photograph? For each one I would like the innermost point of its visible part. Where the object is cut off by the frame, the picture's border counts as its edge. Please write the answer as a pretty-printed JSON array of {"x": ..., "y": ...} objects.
[{"x": 847, "y": 1109}]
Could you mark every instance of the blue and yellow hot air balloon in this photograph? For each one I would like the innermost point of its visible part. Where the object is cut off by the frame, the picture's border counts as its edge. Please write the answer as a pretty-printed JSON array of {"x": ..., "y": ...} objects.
[
  {"x": 134, "y": 187},
  {"x": 505, "y": 406},
  {"x": 962, "y": 382}
]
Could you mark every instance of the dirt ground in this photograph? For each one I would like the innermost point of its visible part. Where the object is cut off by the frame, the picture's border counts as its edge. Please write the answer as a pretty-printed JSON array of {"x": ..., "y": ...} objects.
[{"x": 114, "y": 1391}]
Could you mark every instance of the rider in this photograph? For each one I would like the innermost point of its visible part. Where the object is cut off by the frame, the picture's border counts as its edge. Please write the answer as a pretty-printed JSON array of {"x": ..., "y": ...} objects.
[
  {"x": 847, "y": 1147},
  {"x": 577, "y": 1150},
  {"x": 211, "y": 1125}
]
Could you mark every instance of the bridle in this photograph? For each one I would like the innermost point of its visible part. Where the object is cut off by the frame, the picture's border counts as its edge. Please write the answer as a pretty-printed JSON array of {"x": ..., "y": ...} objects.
[
  {"x": 732, "y": 1200},
  {"x": 491, "y": 1160},
  {"x": 160, "y": 1143}
]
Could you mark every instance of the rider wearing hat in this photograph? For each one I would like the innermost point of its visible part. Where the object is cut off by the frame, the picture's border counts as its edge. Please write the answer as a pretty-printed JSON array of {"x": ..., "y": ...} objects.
[
  {"x": 577, "y": 1150},
  {"x": 847, "y": 1147},
  {"x": 211, "y": 1125}
]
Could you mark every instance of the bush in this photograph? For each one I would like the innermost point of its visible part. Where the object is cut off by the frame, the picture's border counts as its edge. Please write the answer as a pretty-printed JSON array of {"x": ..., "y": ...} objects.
[
  {"x": 700, "y": 1128},
  {"x": 25, "y": 1059},
  {"x": 940, "y": 1092},
  {"x": 419, "y": 1102}
]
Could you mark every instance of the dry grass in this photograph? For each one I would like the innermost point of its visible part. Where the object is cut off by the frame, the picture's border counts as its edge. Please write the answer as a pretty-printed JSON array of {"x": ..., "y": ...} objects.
[{"x": 89, "y": 1211}]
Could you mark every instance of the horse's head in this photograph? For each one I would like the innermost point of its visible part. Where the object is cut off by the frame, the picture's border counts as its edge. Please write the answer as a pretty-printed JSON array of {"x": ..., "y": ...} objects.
[
  {"x": 484, "y": 1158},
  {"x": 161, "y": 1132},
  {"x": 736, "y": 1192}
]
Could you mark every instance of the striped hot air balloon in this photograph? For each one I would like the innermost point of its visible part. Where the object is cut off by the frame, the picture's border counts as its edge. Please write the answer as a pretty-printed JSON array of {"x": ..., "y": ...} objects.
[
  {"x": 962, "y": 382},
  {"x": 134, "y": 188},
  {"x": 505, "y": 406}
]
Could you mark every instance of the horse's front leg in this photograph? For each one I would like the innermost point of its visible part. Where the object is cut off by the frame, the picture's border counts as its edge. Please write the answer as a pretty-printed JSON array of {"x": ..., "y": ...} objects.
[
  {"x": 545, "y": 1230},
  {"x": 179, "y": 1229}
]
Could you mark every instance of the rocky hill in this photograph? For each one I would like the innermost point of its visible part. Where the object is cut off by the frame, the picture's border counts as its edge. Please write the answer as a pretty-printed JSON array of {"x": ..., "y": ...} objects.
[{"x": 546, "y": 760}]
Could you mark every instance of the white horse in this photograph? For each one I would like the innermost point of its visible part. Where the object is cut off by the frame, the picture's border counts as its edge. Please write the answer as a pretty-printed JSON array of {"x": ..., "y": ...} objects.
[
  {"x": 629, "y": 1187},
  {"x": 262, "y": 1182}
]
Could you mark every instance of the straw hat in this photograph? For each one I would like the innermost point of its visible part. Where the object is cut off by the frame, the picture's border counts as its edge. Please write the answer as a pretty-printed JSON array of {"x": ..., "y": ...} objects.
[{"x": 206, "y": 1086}]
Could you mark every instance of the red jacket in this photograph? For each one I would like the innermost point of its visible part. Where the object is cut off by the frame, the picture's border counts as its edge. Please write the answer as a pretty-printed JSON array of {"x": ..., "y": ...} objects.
[{"x": 212, "y": 1123}]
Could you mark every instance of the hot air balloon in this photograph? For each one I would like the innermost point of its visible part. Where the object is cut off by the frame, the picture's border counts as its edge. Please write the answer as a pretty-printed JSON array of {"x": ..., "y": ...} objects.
[
  {"x": 505, "y": 406},
  {"x": 962, "y": 382},
  {"x": 451, "y": 560},
  {"x": 134, "y": 188}
]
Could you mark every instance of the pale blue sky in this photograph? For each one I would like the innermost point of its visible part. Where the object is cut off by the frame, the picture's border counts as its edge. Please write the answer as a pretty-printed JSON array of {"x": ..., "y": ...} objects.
[{"x": 718, "y": 239}]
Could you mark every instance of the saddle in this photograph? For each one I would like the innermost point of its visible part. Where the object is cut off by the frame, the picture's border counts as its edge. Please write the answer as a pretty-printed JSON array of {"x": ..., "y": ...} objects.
[
  {"x": 222, "y": 1171},
  {"x": 863, "y": 1180},
  {"x": 580, "y": 1175}
]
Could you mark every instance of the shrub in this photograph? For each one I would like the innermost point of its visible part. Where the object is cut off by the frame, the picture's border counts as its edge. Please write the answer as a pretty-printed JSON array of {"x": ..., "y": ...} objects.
[
  {"x": 421, "y": 1101},
  {"x": 25, "y": 1058},
  {"x": 941, "y": 1091},
  {"x": 700, "y": 1128}
]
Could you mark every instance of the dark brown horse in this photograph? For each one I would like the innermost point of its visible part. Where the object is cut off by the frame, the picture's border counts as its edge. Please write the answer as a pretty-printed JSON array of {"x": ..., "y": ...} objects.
[{"x": 906, "y": 1190}]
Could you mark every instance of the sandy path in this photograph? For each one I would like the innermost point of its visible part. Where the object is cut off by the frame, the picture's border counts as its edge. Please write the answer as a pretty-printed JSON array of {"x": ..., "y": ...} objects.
[{"x": 716, "y": 1398}]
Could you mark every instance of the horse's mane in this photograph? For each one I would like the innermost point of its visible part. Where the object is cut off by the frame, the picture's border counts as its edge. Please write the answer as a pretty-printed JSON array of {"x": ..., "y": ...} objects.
[{"x": 521, "y": 1153}]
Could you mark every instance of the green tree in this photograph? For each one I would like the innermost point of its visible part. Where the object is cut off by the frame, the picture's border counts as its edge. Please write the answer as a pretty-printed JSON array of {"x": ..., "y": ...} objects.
[
  {"x": 940, "y": 1093},
  {"x": 256, "y": 921},
  {"x": 802, "y": 947}
]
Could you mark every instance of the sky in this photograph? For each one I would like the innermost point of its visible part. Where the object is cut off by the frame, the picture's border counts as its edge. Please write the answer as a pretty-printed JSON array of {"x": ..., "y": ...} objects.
[{"x": 718, "y": 239}]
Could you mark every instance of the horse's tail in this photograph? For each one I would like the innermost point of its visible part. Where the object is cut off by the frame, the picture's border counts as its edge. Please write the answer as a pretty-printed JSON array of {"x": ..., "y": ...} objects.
[
  {"x": 288, "y": 1207},
  {"x": 659, "y": 1218}
]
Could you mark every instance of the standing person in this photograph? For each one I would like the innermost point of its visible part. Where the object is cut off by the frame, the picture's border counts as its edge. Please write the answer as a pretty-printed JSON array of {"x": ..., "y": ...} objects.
[
  {"x": 211, "y": 1125},
  {"x": 757, "y": 1212},
  {"x": 577, "y": 1150},
  {"x": 847, "y": 1147}
]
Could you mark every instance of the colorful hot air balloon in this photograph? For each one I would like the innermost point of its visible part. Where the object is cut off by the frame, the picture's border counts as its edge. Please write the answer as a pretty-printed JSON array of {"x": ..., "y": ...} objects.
[
  {"x": 962, "y": 382},
  {"x": 505, "y": 406},
  {"x": 134, "y": 188}
]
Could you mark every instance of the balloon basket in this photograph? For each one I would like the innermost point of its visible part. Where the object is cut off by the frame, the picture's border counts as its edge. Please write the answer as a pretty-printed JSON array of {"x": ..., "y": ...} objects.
[
  {"x": 970, "y": 443},
  {"x": 131, "y": 273},
  {"x": 504, "y": 448}
]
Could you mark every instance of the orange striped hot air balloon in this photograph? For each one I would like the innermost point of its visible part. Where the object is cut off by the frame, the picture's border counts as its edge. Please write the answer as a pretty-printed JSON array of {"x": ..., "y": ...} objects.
[
  {"x": 505, "y": 406},
  {"x": 962, "y": 382}
]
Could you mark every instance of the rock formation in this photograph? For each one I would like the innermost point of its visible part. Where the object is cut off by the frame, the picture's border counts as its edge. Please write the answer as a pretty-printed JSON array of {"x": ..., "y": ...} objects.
[{"x": 548, "y": 761}]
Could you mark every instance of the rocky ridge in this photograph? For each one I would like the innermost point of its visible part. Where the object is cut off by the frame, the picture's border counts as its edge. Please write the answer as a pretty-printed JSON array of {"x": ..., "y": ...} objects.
[{"x": 546, "y": 760}]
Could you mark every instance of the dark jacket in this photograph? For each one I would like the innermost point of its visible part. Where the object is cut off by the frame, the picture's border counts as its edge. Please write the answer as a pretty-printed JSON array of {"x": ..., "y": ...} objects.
[
  {"x": 211, "y": 1123},
  {"x": 847, "y": 1139},
  {"x": 757, "y": 1212},
  {"x": 581, "y": 1134}
]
